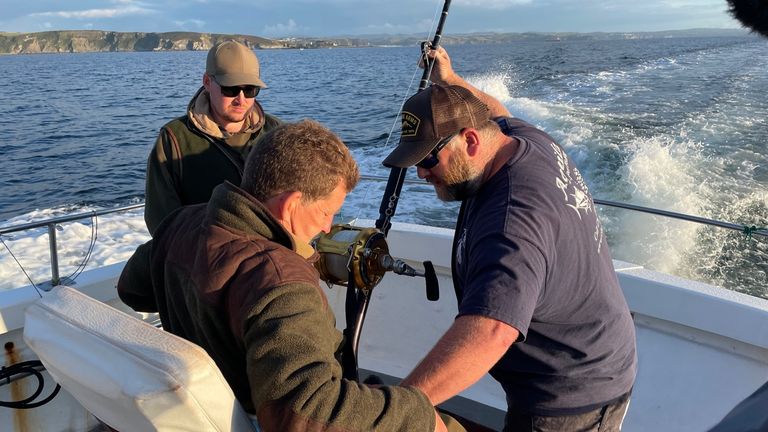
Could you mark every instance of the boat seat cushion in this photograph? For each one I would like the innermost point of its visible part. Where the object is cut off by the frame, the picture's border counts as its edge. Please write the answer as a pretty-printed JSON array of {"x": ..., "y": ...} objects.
[{"x": 129, "y": 374}]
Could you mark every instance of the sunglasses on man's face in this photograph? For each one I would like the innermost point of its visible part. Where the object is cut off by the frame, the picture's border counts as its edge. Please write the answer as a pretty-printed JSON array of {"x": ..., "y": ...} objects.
[
  {"x": 431, "y": 160},
  {"x": 249, "y": 91}
]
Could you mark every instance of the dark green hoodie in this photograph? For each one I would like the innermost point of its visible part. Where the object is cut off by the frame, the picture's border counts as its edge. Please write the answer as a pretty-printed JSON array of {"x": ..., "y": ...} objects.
[{"x": 192, "y": 156}]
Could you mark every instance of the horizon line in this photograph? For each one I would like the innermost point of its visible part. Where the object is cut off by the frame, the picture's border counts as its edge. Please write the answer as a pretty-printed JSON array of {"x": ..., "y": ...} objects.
[{"x": 741, "y": 29}]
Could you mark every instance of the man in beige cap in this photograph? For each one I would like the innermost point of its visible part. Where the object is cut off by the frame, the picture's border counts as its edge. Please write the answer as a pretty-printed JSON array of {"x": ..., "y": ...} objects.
[{"x": 200, "y": 150}]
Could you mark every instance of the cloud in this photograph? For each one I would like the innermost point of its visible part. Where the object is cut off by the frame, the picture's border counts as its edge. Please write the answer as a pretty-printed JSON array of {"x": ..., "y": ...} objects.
[
  {"x": 186, "y": 24},
  {"x": 422, "y": 26},
  {"x": 690, "y": 4},
  {"x": 493, "y": 4},
  {"x": 348, "y": 17},
  {"x": 282, "y": 29},
  {"x": 130, "y": 9}
]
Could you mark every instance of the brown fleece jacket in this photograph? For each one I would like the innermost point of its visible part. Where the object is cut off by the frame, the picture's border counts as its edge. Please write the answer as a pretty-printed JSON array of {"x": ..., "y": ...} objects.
[{"x": 227, "y": 277}]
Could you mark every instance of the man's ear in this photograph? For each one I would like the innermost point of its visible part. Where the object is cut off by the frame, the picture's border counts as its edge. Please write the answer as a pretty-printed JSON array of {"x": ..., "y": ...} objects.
[
  {"x": 283, "y": 206},
  {"x": 472, "y": 138},
  {"x": 207, "y": 81}
]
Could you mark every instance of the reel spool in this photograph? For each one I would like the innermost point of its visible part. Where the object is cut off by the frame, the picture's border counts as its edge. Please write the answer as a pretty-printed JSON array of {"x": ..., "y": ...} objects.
[
  {"x": 348, "y": 251},
  {"x": 362, "y": 254}
]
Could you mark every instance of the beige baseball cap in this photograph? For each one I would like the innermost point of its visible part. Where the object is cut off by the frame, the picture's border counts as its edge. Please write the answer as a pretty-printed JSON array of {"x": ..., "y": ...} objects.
[{"x": 231, "y": 63}]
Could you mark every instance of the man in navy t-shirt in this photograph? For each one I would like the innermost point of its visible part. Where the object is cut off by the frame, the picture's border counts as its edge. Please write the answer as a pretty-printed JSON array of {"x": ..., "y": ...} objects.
[{"x": 540, "y": 307}]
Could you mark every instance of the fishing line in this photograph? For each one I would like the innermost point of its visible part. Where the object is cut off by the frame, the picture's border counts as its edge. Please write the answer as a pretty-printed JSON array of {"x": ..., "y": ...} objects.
[
  {"x": 94, "y": 236},
  {"x": 20, "y": 266},
  {"x": 406, "y": 95}
]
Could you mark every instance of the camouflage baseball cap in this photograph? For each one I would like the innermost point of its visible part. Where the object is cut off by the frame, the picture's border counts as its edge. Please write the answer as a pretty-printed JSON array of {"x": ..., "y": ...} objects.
[
  {"x": 431, "y": 115},
  {"x": 231, "y": 63}
]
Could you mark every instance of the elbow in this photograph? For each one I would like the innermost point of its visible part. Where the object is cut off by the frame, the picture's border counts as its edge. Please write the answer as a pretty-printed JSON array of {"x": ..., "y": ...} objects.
[{"x": 503, "y": 334}]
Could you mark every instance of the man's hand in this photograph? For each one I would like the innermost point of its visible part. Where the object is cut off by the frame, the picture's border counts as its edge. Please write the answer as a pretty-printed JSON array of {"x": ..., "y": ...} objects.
[
  {"x": 442, "y": 70},
  {"x": 443, "y": 74}
]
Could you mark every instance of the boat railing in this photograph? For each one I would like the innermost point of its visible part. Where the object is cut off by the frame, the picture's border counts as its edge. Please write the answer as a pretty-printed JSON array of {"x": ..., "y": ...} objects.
[
  {"x": 52, "y": 223},
  {"x": 749, "y": 230}
]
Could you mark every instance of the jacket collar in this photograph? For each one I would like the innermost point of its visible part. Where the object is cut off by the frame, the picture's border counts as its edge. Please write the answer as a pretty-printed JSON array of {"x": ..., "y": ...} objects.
[
  {"x": 199, "y": 112},
  {"x": 237, "y": 210}
]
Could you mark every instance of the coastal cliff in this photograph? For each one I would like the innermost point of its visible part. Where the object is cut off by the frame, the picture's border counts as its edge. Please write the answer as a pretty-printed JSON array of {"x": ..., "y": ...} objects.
[
  {"x": 98, "y": 41},
  {"x": 75, "y": 41}
]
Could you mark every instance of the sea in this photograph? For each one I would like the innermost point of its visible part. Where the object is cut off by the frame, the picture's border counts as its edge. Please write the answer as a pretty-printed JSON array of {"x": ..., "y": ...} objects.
[{"x": 677, "y": 124}]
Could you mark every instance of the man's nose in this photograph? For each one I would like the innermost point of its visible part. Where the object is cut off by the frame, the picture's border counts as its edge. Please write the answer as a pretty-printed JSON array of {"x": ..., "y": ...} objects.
[{"x": 327, "y": 228}]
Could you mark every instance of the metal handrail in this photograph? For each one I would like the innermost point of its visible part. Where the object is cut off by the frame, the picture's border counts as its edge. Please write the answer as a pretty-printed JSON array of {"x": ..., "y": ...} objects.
[
  {"x": 682, "y": 216},
  {"x": 51, "y": 223},
  {"x": 67, "y": 218}
]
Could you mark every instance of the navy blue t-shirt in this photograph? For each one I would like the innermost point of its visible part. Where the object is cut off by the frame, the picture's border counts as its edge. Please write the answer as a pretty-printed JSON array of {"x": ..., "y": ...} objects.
[{"x": 529, "y": 251}]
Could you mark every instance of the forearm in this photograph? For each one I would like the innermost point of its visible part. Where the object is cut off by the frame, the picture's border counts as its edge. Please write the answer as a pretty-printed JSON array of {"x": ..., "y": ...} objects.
[
  {"x": 497, "y": 108},
  {"x": 443, "y": 73},
  {"x": 466, "y": 352},
  {"x": 135, "y": 284}
]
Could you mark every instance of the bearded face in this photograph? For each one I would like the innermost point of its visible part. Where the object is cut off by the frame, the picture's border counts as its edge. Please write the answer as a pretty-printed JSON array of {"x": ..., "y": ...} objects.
[{"x": 459, "y": 181}]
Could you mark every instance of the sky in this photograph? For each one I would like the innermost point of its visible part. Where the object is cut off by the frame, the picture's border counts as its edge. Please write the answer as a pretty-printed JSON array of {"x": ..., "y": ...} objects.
[{"x": 284, "y": 18}]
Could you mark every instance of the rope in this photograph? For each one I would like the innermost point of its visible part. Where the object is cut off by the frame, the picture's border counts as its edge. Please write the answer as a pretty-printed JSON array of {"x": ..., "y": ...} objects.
[
  {"x": 25, "y": 369},
  {"x": 94, "y": 236},
  {"x": 21, "y": 266}
]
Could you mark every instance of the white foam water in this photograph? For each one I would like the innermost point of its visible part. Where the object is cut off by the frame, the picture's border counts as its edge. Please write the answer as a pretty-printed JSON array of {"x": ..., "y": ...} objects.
[{"x": 676, "y": 124}]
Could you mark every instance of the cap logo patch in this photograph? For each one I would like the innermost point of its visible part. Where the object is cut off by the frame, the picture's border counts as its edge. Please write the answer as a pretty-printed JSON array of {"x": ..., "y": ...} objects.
[{"x": 410, "y": 125}]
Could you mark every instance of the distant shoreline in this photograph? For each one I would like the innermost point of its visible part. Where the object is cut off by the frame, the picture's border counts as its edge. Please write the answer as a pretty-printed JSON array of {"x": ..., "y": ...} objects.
[{"x": 75, "y": 41}]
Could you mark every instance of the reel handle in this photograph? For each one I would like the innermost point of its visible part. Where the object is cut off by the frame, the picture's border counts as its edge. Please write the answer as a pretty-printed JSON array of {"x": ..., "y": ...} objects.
[
  {"x": 400, "y": 267},
  {"x": 433, "y": 288}
]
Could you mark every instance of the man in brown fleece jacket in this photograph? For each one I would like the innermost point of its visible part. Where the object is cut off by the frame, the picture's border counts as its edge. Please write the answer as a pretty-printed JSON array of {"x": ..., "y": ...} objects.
[{"x": 235, "y": 276}]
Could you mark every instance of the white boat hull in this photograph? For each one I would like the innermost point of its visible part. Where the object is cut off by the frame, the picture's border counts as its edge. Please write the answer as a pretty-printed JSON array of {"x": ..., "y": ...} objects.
[{"x": 701, "y": 349}]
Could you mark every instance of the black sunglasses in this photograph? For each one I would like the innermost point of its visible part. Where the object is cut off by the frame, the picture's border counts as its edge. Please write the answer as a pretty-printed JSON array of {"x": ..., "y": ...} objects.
[
  {"x": 249, "y": 91},
  {"x": 431, "y": 159}
]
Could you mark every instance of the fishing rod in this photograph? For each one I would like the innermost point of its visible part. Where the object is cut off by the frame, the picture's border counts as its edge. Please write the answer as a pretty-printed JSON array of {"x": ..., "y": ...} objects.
[
  {"x": 359, "y": 257},
  {"x": 397, "y": 175}
]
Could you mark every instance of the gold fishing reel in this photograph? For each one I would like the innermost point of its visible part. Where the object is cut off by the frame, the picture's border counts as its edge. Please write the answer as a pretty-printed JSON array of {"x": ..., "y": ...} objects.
[
  {"x": 362, "y": 254},
  {"x": 358, "y": 258},
  {"x": 349, "y": 251}
]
